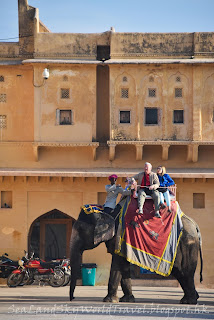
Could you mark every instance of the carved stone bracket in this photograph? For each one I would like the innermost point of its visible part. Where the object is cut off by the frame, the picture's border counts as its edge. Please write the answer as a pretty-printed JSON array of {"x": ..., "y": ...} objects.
[
  {"x": 165, "y": 151},
  {"x": 112, "y": 151},
  {"x": 192, "y": 152},
  {"x": 139, "y": 151}
]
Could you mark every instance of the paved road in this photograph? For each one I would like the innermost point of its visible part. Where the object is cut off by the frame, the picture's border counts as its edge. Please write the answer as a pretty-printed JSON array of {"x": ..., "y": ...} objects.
[{"x": 45, "y": 302}]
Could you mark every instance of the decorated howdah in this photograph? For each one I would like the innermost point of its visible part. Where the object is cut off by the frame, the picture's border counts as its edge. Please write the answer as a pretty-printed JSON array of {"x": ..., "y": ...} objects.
[{"x": 148, "y": 241}]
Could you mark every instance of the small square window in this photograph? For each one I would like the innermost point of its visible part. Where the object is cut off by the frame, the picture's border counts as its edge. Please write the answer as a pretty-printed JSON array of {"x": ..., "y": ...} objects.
[
  {"x": 151, "y": 116},
  {"x": 178, "y": 79},
  {"x": 3, "y": 97},
  {"x": 178, "y": 93},
  {"x": 198, "y": 200},
  {"x": 178, "y": 116},
  {"x": 65, "y": 93},
  {"x": 151, "y": 79},
  {"x": 152, "y": 93},
  {"x": 124, "y": 93},
  {"x": 125, "y": 117},
  {"x": 6, "y": 199},
  {"x": 125, "y": 79},
  {"x": 103, "y": 53},
  {"x": 1, "y": 78},
  {"x": 65, "y": 117},
  {"x": 3, "y": 121}
]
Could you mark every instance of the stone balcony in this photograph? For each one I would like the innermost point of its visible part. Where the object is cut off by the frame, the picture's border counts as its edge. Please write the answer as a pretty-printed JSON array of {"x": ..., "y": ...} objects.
[{"x": 192, "y": 147}]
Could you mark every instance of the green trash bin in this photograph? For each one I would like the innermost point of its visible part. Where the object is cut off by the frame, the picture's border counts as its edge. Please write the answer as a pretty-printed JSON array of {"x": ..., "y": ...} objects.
[{"x": 88, "y": 274}]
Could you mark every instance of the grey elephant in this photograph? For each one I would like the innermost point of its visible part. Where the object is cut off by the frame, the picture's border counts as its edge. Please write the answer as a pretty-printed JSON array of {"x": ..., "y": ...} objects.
[{"x": 82, "y": 238}]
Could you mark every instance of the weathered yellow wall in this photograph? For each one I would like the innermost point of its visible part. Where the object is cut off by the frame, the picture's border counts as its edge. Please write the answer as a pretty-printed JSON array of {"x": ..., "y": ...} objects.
[
  {"x": 19, "y": 105},
  {"x": 81, "y": 81}
]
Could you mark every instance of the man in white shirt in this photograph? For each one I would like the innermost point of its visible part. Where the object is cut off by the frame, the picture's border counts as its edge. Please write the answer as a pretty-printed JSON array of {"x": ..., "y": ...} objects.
[{"x": 113, "y": 190}]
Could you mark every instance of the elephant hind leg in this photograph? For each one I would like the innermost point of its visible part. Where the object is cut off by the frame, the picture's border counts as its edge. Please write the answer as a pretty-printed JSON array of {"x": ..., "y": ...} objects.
[{"x": 187, "y": 284}]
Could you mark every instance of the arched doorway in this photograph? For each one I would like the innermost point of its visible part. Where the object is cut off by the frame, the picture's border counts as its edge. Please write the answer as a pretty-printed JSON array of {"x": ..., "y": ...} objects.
[{"x": 50, "y": 234}]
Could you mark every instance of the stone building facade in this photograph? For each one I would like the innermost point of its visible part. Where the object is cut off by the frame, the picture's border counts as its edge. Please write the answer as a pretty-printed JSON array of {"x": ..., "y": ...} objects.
[{"x": 112, "y": 101}]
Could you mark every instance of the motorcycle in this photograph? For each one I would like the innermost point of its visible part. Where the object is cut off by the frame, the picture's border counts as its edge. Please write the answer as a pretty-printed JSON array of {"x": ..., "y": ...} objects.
[
  {"x": 39, "y": 270},
  {"x": 7, "y": 265}
]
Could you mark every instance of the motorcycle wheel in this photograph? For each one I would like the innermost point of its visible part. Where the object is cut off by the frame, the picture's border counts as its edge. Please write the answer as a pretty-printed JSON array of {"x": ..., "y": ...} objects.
[
  {"x": 26, "y": 280},
  {"x": 57, "y": 278},
  {"x": 67, "y": 280},
  {"x": 15, "y": 279}
]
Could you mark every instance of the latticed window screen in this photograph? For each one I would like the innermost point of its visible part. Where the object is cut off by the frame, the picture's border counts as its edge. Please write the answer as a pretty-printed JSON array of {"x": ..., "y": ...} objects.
[
  {"x": 151, "y": 79},
  {"x": 3, "y": 97},
  {"x": 178, "y": 79},
  {"x": 125, "y": 117},
  {"x": 152, "y": 93},
  {"x": 125, "y": 79},
  {"x": 3, "y": 121},
  {"x": 65, "y": 93},
  {"x": 1, "y": 78},
  {"x": 124, "y": 93},
  {"x": 65, "y": 117},
  {"x": 178, "y": 92}
]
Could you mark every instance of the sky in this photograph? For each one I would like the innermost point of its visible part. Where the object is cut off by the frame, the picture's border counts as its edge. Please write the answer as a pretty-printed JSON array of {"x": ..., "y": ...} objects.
[{"x": 93, "y": 16}]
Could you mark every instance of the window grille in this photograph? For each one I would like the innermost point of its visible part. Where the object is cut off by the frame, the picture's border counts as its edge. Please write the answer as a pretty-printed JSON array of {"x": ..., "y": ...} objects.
[
  {"x": 125, "y": 79},
  {"x": 178, "y": 92},
  {"x": 151, "y": 116},
  {"x": 65, "y": 78},
  {"x": 3, "y": 121},
  {"x": 178, "y": 79},
  {"x": 152, "y": 93},
  {"x": 124, "y": 93},
  {"x": 178, "y": 116},
  {"x": 3, "y": 97},
  {"x": 151, "y": 79},
  {"x": 125, "y": 117},
  {"x": 65, "y": 93},
  {"x": 198, "y": 200},
  {"x": 1, "y": 78},
  {"x": 65, "y": 117}
]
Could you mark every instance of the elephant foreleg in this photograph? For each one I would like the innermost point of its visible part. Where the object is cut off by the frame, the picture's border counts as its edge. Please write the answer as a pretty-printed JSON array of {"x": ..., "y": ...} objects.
[
  {"x": 126, "y": 281},
  {"x": 114, "y": 280}
]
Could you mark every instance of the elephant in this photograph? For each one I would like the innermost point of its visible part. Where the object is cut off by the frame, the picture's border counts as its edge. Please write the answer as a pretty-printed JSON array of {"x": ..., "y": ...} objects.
[{"x": 82, "y": 238}]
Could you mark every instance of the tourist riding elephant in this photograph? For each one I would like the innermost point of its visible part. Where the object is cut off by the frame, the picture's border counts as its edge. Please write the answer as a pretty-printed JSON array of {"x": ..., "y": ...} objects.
[{"x": 82, "y": 238}]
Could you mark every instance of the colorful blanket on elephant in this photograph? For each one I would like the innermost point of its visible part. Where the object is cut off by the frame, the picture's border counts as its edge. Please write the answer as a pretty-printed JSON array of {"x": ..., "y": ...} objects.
[
  {"x": 148, "y": 241},
  {"x": 92, "y": 208}
]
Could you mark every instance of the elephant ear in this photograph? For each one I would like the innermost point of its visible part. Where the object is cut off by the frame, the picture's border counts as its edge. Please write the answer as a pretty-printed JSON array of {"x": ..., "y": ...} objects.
[{"x": 104, "y": 228}]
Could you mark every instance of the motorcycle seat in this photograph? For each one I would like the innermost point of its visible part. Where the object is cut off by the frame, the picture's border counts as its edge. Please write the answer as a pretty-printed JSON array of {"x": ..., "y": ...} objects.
[{"x": 49, "y": 264}]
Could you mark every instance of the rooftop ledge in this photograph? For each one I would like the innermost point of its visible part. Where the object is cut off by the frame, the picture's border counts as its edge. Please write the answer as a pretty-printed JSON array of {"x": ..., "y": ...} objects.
[
  {"x": 192, "y": 147},
  {"x": 121, "y": 61},
  {"x": 181, "y": 173}
]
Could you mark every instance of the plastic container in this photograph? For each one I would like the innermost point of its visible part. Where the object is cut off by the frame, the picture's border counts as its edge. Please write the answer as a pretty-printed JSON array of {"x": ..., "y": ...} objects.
[{"x": 88, "y": 274}]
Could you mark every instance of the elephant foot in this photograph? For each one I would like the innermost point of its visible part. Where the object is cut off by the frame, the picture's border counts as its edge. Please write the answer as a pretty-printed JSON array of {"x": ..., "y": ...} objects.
[
  {"x": 188, "y": 300},
  {"x": 113, "y": 299},
  {"x": 127, "y": 298}
]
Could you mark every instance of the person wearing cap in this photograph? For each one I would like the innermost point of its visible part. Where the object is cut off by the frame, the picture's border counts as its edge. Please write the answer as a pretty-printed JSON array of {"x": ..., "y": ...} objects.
[
  {"x": 148, "y": 182},
  {"x": 113, "y": 190}
]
